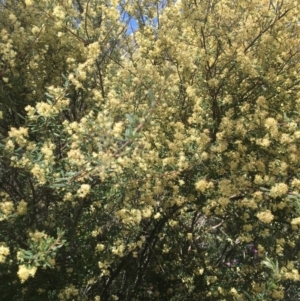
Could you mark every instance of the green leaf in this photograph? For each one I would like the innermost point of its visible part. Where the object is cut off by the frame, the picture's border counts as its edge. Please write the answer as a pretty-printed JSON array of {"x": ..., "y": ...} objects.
[
  {"x": 70, "y": 173},
  {"x": 39, "y": 157},
  {"x": 22, "y": 117},
  {"x": 49, "y": 95},
  {"x": 64, "y": 77},
  {"x": 248, "y": 296},
  {"x": 264, "y": 189},
  {"x": 58, "y": 185},
  {"x": 61, "y": 179},
  {"x": 152, "y": 98},
  {"x": 129, "y": 118},
  {"x": 128, "y": 133}
]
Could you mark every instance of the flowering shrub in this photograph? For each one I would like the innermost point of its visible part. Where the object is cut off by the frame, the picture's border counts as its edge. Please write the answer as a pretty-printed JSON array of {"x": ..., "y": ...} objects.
[{"x": 157, "y": 165}]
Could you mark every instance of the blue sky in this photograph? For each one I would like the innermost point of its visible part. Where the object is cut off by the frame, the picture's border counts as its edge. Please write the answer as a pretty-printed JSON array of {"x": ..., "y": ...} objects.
[{"x": 133, "y": 24}]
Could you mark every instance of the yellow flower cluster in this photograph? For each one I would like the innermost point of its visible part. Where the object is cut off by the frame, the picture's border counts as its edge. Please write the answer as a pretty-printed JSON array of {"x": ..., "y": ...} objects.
[
  {"x": 258, "y": 287},
  {"x": 280, "y": 246},
  {"x": 19, "y": 135},
  {"x": 104, "y": 267},
  {"x": 58, "y": 12},
  {"x": 30, "y": 112},
  {"x": 68, "y": 196},
  {"x": 67, "y": 293},
  {"x": 84, "y": 190},
  {"x": 133, "y": 216},
  {"x": 6, "y": 208},
  {"x": 290, "y": 272},
  {"x": 278, "y": 294},
  {"x": 76, "y": 157},
  {"x": 47, "y": 151},
  {"x": 118, "y": 250},
  {"x": 25, "y": 272},
  {"x": 265, "y": 142},
  {"x": 4, "y": 252},
  {"x": 44, "y": 109},
  {"x": 39, "y": 173},
  {"x": 99, "y": 247},
  {"x": 201, "y": 185},
  {"x": 295, "y": 221},
  {"x": 271, "y": 125},
  {"x": 22, "y": 207},
  {"x": 278, "y": 190},
  {"x": 93, "y": 50},
  {"x": 172, "y": 223},
  {"x": 28, "y": 2},
  {"x": 265, "y": 216},
  {"x": 37, "y": 236}
]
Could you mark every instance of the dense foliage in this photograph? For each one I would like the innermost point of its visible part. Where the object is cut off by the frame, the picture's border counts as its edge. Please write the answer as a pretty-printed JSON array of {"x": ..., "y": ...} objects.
[{"x": 159, "y": 164}]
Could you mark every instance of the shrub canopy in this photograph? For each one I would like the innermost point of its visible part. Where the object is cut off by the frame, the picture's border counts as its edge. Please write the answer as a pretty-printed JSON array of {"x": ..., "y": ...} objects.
[{"x": 150, "y": 163}]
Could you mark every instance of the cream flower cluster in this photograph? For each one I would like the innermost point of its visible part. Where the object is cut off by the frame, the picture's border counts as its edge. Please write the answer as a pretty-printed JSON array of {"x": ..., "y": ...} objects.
[
  {"x": 84, "y": 190},
  {"x": 22, "y": 207},
  {"x": 4, "y": 252},
  {"x": 20, "y": 135},
  {"x": 25, "y": 272},
  {"x": 278, "y": 190},
  {"x": 265, "y": 216}
]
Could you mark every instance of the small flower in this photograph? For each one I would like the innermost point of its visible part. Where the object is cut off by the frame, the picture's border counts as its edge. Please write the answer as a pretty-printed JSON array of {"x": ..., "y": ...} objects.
[{"x": 254, "y": 251}]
